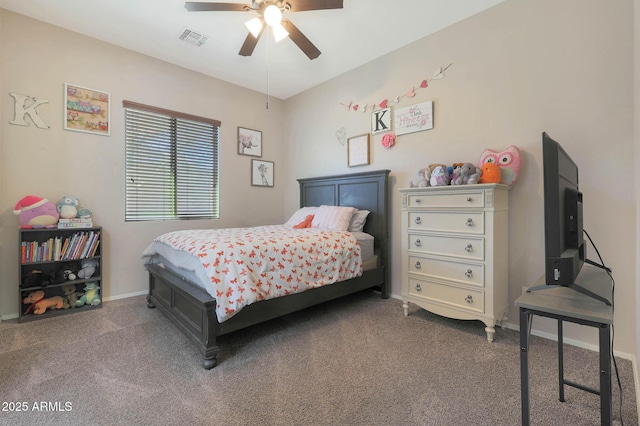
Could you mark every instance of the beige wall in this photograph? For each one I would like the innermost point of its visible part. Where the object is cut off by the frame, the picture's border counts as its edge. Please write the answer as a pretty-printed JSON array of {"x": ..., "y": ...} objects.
[
  {"x": 37, "y": 59},
  {"x": 520, "y": 68}
]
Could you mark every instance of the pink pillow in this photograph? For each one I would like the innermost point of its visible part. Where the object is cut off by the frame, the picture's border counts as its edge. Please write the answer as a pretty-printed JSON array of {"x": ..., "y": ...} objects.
[{"x": 335, "y": 218}]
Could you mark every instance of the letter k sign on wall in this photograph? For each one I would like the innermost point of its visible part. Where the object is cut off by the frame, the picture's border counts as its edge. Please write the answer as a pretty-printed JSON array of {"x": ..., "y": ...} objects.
[
  {"x": 381, "y": 121},
  {"x": 22, "y": 110}
]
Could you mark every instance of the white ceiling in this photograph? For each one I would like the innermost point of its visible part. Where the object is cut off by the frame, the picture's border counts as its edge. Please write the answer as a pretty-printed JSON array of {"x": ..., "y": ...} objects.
[{"x": 360, "y": 32}]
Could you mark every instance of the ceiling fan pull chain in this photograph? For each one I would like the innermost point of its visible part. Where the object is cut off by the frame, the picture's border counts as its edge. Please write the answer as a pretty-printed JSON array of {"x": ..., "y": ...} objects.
[{"x": 268, "y": 44}]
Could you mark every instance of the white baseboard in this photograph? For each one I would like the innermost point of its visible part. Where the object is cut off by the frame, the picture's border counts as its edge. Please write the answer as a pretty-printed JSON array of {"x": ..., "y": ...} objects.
[{"x": 124, "y": 296}]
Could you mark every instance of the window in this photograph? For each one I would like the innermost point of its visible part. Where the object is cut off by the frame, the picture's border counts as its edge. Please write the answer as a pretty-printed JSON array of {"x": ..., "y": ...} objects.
[{"x": 171, "y": 166}]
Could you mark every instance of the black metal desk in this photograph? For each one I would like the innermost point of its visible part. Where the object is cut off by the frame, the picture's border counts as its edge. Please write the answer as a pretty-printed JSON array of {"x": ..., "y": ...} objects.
[{"x": 565, "y": 304}]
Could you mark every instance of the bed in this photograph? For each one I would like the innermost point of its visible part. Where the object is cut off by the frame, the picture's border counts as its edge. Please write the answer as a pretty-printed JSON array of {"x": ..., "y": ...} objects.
[{"x": 193, "y": 310}]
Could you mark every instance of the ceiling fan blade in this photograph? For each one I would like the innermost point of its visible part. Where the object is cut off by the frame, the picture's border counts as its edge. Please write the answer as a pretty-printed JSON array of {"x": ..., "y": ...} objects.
[
  {"x": 250, "y": 44},
  {"x": 193, "y": 6},
  {"x": 301, "y": 40},
  {"x": 302, "y": 5}
]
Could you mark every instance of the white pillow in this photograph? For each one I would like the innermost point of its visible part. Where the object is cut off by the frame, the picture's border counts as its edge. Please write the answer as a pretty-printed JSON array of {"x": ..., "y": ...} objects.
[
  {"x": 300, "y": 215},
  {"x": 357, "y": 220},
  {"x": 335, "y": 218}
]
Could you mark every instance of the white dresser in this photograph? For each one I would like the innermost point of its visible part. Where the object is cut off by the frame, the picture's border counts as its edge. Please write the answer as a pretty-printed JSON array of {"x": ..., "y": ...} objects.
[{"x": 455, "y": 251}]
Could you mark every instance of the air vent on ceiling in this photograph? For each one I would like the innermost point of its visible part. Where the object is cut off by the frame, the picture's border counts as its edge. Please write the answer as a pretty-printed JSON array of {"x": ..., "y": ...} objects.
[{"x": 192, "y": 37}]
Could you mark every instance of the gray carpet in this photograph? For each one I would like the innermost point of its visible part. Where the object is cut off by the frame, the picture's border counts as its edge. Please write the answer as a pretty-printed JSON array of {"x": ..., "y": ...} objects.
[{"x": 355, "y": 361}]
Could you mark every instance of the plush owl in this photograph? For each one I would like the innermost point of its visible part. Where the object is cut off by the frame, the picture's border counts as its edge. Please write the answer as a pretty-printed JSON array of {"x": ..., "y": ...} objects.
[{"x": 509, "y": 161}]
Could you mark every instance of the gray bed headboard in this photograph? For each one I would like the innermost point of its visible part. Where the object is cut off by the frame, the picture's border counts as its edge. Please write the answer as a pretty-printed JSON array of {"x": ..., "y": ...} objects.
[{"x": 364, "y": 191}]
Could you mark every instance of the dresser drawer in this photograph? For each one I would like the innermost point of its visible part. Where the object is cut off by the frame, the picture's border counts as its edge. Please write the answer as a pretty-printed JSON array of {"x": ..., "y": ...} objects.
[
  {"x": 461, "y": 272},
  {"x": 472, "y": 300},
  {"x": 462, "y": 222},
  {"x": 467, "y": 247},
  {"x": 460, "y": 199}
]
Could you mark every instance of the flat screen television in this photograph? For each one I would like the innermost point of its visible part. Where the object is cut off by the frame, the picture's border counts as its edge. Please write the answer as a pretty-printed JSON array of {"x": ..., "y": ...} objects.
[{"x": 564, "y": 244}]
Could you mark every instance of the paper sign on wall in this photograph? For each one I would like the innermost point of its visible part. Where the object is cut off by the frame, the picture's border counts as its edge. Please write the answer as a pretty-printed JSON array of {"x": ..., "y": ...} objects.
[{"x": 414, "y": 118}]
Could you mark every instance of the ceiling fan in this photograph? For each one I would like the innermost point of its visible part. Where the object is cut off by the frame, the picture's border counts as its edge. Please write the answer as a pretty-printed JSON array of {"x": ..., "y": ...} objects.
[{"x": 270, "y": 12}]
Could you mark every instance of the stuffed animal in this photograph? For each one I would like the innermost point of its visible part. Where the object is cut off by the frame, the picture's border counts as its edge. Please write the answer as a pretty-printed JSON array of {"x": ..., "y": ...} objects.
[
  {"x": 490, "y": 173},
  {"x": 68, "y": 207},
  {"x": 67, "y": 272},
  {"x": 36, "y": 212},
  {"x": 508, "y": 160},
  {"x": 90, "y": 296},
  {"x": 439, "y": 176},
  {"x": 84, "y": 213},
  {"x": 454, "y": 171},
  {"x": 306, "y": 223},
  {"x": 38, "y": 303},
  {"x": 88, "y": 268},
  {"x": 35, "y": 278},
  {"x": 69, "y": 296},
  {"x": 422, "y": 179},
  {"x": 469, "y": 174}
]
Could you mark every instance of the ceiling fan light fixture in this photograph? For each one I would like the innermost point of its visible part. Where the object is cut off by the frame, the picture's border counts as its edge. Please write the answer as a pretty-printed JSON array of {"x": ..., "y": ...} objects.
[
  {"x": 255, "y": 26},
  {"x": 279, "y": 32},
  {"x": 272, "y": 15}
]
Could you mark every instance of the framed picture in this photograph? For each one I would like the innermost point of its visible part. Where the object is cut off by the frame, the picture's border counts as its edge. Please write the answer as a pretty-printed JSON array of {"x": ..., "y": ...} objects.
[
  {"x": 414, "y": 118},
  {"x": 261, "y": 173},
  {"x": 358, "y": 150},
  {"x": 249, "y": 142},
  {"x": 86, "y": 110}
]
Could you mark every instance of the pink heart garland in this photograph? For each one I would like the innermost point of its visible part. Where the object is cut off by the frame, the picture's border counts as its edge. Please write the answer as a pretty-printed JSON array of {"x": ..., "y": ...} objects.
[
  {"x": 355, "y": 107},
  {"x": 411, "y": 93},
  {"x": 423, "y": 84},
  {"x": 383, "y": 104}
]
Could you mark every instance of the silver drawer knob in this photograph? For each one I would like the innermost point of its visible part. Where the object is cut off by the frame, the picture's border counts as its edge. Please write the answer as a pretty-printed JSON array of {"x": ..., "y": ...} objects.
[
  {"x": 418, "y": 200},
  {"x": 418, "y": 288},
  {"x": 469, "y": 222},
  {"x": 469, "y": 248},
  {"x": 469, "y": 199},
  {"x": 469, "y": 273},
  {"x": 418, "y": 220},
  {"x": 418, "y": 243},
  {"x": 418, "y": 265},
  {"x": 469, "y": 299}
]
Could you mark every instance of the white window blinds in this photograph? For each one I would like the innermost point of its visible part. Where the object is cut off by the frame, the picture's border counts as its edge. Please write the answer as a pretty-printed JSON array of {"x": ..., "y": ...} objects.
[{"x": 172, "y": 164}]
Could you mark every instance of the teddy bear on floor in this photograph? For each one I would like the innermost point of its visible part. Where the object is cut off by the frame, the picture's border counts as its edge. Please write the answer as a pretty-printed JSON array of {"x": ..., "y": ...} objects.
[
  {"x": 90, "y": 296},
  {"x": 469, "y": 174},
  {"x": 38, "y": 303}
]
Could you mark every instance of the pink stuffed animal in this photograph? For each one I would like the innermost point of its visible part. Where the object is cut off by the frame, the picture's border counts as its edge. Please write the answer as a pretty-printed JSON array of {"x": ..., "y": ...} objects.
[
  {"x": 36, "y": 212},
  {"x": 508, "y": 160}
]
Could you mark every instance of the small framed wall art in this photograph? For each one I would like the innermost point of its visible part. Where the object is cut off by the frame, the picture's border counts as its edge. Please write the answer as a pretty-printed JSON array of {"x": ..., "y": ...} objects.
[
  {"x": 86, "y": 110},
  {"x": 261, "y": 173},
  {"x": 358, "y": 150},
  {"x": 249, "y": 142}
]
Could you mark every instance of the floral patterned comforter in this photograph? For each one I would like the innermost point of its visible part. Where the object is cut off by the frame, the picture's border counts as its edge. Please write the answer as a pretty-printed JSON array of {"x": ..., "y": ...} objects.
[{"x": 245, "y": 265}]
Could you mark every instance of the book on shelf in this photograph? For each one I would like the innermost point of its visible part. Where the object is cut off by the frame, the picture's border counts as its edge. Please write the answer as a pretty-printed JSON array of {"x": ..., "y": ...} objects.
[
  {"x": 80, "y": 245},
  {"x": 76, "y": 220},
  {"x": 68, "y": 225}
]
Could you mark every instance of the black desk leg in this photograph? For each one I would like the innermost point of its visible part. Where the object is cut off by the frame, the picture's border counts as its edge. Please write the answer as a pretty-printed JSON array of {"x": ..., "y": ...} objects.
[
  {"x": 605, "y": 375},
  {"x": 560, "y": 362},
  {"x": 525, "y": 317}
]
